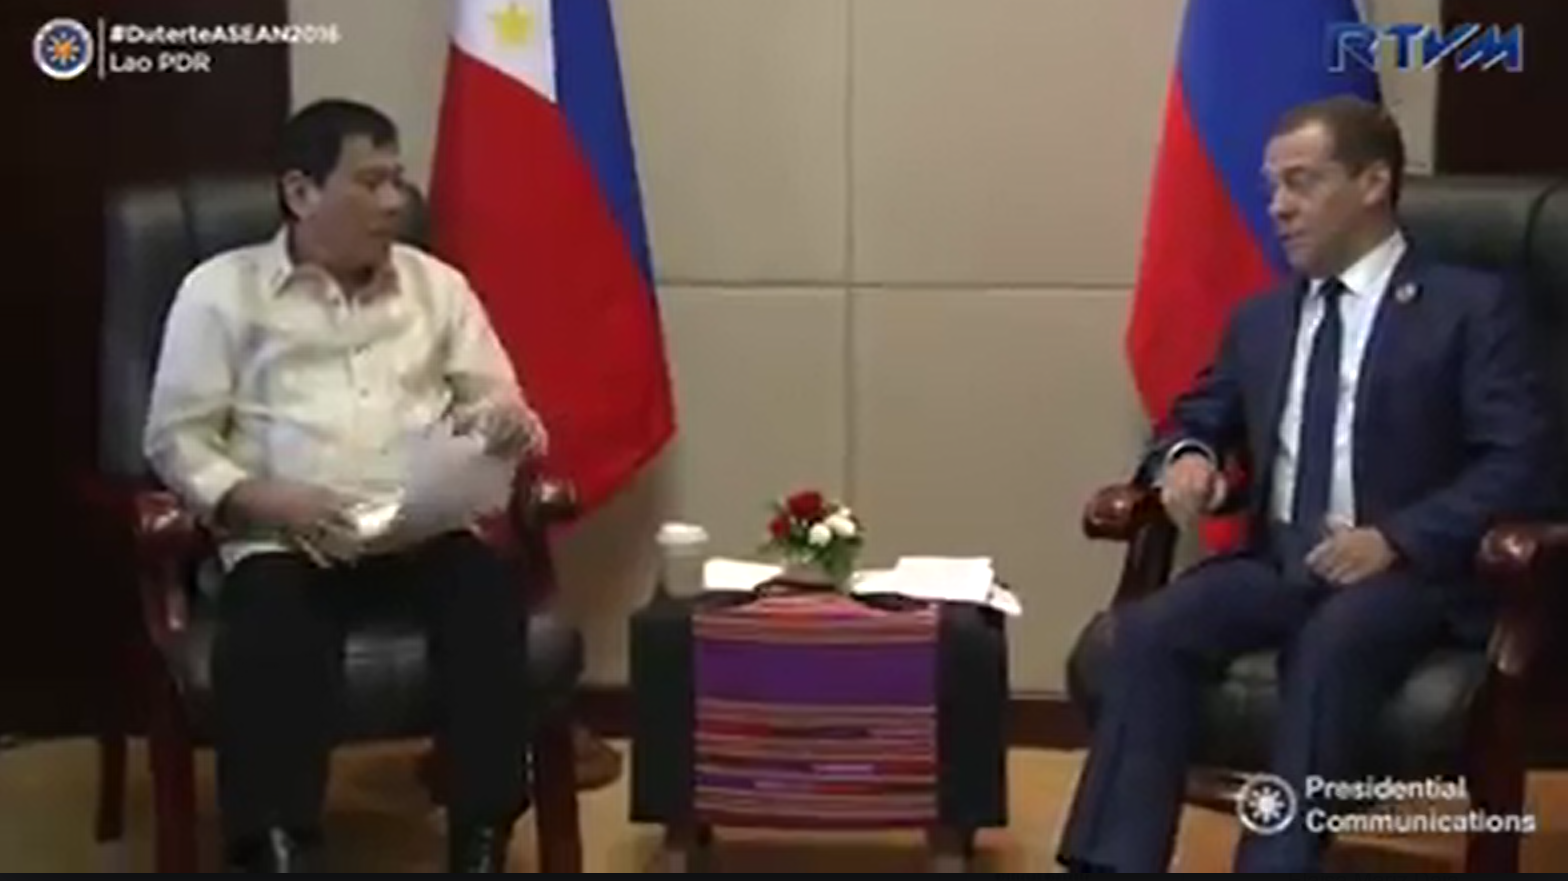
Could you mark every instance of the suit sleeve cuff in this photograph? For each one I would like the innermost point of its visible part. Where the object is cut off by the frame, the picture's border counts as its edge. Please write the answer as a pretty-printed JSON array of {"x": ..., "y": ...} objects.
[
  {"x": 1181, "y": 448},
  {"x": 1407, "y": 544}
]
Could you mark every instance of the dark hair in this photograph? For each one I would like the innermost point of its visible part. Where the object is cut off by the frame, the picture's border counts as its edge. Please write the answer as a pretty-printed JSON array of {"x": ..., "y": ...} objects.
[
  {"x": 1364, "y": 133},
  {"x": 313, "y": 138}
]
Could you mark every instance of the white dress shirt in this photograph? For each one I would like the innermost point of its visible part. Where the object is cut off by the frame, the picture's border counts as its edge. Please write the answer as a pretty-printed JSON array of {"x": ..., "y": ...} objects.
[
  {"x": 268, "y": 369},
  {"x": 1366, "y": 283}
]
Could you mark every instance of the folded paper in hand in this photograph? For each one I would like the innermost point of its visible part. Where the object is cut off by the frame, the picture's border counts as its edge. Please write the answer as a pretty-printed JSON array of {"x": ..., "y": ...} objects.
[
  {"x": 937, "y": 579},
  {"x": 449, "y": 481}
]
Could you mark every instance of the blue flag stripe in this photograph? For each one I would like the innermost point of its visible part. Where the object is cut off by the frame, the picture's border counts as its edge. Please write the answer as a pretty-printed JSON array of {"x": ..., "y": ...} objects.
[
  {"x": 588, "y": 89},
  {"x": 1242, "y": 64}
]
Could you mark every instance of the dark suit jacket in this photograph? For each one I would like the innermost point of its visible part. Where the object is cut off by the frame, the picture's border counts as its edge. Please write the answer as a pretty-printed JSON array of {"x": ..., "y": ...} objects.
[{"x": 1453, "y": 431}]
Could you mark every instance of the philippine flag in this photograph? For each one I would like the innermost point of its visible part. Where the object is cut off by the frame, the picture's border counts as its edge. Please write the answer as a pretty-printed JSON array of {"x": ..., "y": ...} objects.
[
  {"x": 535, "y": 196},
  {"x": 1208, "y": 240}
]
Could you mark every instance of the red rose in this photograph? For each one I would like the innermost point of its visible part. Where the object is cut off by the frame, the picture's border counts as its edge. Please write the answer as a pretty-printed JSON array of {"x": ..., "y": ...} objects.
[
  {"x": 807, "y": 505},
  {"x": 779, "y": 527}
]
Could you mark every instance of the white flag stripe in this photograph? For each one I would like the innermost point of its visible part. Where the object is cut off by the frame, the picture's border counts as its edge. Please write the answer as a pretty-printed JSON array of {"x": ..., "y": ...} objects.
[{"x": 480, "y": 29}]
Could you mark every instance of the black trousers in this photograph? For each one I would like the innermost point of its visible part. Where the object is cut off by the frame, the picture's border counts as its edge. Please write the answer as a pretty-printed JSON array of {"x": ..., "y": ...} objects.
[{"x": 278, "y": 678}]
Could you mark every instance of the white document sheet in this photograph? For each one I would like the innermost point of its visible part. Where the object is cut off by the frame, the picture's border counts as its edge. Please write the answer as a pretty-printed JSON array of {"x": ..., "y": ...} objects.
[
  {"x": 942, "y": 579},
  {"x": 955, "y": 579},
  {"x": 934, "y": 579},
  {"x": 721, "y": 573},
  {"x": 448, "y": 483}
]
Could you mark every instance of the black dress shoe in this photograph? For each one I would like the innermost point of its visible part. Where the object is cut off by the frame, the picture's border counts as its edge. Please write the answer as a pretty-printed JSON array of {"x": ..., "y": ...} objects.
[
  {"x": 479, "y": 850},
  {"x": 278, "y": 851}
]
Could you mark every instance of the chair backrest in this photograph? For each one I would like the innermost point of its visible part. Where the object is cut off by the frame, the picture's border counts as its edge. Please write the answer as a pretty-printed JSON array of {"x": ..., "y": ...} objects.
[
  {"x": 156, "y": 233},
  {"x": 1517, "y": 226},
  {"x": 1547, "y": 268},
  {"x": 1475, "y": 221}
]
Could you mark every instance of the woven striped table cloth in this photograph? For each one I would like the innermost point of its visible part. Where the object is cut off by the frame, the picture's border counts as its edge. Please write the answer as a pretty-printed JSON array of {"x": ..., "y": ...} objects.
[
  {"x": 810, "y": 709},
  {"x": 814, "y": 709}
]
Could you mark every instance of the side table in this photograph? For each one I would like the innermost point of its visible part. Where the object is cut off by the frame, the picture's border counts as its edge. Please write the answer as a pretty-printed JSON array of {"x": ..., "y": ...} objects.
[{"x": 791, "y": 708}]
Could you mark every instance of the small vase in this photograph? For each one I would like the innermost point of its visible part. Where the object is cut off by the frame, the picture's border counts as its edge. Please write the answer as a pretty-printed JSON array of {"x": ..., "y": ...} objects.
[{"x": 810, "y": 575}]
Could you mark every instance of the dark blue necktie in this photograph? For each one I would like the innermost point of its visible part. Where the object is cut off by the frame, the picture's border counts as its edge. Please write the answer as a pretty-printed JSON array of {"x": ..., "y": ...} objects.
[{"x": 1320, "y": 404}]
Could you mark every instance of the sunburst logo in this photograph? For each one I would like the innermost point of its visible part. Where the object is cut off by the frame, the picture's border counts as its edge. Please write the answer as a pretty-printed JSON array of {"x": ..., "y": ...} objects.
[
  {"x": 63, "y": 48},
  {"x": 1266, "y": 804}
]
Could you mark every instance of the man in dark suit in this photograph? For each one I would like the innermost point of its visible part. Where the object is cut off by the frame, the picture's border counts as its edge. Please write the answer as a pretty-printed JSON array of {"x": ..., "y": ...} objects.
[{"x": 1388, "y": 412}]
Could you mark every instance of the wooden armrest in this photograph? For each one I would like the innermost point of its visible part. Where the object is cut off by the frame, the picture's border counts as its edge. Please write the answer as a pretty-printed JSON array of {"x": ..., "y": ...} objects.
[
  {"x": 1119, "y": 512},
  {"x": 1523, "y": 561},
  {"x": 538, "y": 503},
  {"x": 551, "y": 501},
  {"x": 541, "y": 502},
  {"x": 167, "y": 539},
  {"x": 164, "y": 528},
  {"x": 1132, "y": 513},
  {"x": 161, "y": 537},
  {"x": 1521, "y": 552}
]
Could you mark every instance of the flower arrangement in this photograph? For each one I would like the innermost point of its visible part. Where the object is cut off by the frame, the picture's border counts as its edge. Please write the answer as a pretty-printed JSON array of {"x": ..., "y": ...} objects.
[{"x": 811, "y": 532}]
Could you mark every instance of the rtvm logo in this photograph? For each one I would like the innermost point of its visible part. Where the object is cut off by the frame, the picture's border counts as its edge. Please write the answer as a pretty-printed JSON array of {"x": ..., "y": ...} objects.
[{"x": 1424, "y": 47}]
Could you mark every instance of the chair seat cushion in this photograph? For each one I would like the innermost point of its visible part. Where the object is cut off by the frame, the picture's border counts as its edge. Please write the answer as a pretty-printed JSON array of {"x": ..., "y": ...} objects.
[
  {"x": 1420, "y": 733},
  {"x": 386, "y": 673}
]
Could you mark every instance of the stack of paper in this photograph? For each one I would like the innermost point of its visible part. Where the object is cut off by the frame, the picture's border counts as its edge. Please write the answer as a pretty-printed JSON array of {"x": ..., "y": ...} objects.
[
  {"x": 720, "y": 573},
  {"x": 951, "y": 579},
  {"x": 936, "y": 579},
  {"x": 942, "y": 579}
]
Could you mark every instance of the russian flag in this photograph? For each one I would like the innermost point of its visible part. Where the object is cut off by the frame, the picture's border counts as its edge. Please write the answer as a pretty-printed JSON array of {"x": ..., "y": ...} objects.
[
  {"x": 1208, "y": 241},
  {"x": 535, "y": 196}
]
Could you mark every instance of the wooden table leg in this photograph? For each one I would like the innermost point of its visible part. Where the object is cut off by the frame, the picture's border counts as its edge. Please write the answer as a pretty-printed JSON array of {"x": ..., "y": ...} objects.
[
  {"x": 950, "y": 849},
  {"x": 687, "y": 848},
  {"x": 598, "y": 764}
]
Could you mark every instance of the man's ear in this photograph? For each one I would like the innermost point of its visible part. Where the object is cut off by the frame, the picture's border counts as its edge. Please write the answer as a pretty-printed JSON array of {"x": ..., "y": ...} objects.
[
  {"x": 300, "y": 193},
  {"x": 1377, "y": 183}
]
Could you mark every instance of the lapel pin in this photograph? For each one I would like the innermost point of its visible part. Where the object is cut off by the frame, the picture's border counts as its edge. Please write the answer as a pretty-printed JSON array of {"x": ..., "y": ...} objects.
[{"x": 1406, "y": 292}]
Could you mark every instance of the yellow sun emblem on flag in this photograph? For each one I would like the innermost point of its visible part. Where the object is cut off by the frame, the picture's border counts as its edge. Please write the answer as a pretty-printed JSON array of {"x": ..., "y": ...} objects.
[{"x": 512, "y": 25}]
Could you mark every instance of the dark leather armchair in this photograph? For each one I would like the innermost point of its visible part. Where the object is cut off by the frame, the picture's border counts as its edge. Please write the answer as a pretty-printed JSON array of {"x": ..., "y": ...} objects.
[
  {"x": 155, "y": 235},
  {"x": 1465, "y": 711}
]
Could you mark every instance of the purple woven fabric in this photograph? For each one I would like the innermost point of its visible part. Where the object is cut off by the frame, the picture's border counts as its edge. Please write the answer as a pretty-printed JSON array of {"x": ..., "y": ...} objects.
[{"x": 814, "y": 710}]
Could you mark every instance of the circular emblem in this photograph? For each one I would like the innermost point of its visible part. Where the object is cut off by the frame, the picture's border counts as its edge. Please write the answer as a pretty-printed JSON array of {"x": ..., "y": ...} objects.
[
  {"x": 1266, "y": 804},
  {"x": 63, "y": 48}
]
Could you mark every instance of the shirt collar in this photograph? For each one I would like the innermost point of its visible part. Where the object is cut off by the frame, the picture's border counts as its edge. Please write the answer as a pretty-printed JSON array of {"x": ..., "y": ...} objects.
[
  {"x": 281, "y": 272},
  {"x": 1370, "y": 274}
]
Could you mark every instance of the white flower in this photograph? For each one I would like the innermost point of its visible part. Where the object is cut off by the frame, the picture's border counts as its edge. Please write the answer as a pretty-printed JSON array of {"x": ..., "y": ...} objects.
[
  {"x": 842, "y": 525},
  {"x": 819, "y": 534}
]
